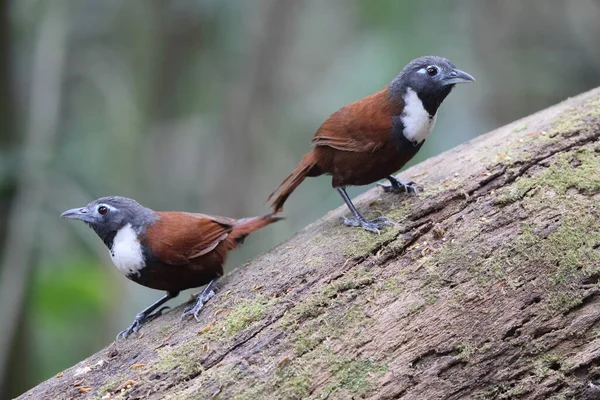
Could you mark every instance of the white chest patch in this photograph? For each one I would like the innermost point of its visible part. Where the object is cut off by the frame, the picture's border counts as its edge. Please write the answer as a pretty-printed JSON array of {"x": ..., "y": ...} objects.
[
  {"x": 126, "y": 251},
  {"x": 417, "y": 122}
]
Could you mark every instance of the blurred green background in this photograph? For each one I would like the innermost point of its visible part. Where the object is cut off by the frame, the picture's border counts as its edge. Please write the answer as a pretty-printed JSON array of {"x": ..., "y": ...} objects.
[{"x": 206, "y": 105}]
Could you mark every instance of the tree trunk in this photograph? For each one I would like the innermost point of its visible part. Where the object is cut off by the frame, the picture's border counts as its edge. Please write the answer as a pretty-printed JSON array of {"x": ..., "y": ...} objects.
[{"x": 486, "y": 288}]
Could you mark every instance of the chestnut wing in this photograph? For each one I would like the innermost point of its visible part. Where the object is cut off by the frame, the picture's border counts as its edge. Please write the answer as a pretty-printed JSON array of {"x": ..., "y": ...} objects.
[
  {"x": 363, "y": 126},
  {"x": 178, "y": 237}
]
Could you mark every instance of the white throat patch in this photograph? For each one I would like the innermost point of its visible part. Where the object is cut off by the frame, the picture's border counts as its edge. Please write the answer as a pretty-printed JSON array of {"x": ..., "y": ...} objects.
[
  {"x": 126, "y": 251},
  {"x": 416, "y": 120}
]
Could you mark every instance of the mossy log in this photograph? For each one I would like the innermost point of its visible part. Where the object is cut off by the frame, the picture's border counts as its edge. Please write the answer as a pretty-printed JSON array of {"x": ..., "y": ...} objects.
[{"x": 487, "y": 287}]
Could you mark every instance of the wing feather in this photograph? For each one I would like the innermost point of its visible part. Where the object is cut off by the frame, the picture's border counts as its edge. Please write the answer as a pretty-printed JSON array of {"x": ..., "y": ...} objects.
[
  {"x": 178, "y": 237},
  {"x": 363, "y": 126}
]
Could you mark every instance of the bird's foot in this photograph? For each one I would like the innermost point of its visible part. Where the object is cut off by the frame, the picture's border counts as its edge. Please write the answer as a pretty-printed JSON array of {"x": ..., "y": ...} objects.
[
  {"x": 373, "y": 225},
  {"x": 133, "y": 328},
  {"x": 140, "y": 320},
  {"x": 197, "y": 307},
  {"x": 396, "y": 186}
]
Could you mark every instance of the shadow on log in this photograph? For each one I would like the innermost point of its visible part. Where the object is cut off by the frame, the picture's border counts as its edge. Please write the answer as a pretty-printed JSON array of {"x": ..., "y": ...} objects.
[{"x": 486, "y": 288}]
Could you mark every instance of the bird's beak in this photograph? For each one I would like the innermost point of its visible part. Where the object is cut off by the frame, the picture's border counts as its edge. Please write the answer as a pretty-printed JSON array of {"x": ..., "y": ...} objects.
[
  {"x": 82, "y": 214},
  {"x": 458, "y": 76}
]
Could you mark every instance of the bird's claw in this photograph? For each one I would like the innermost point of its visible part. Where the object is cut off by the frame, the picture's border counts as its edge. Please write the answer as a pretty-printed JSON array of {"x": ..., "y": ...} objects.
[
  {"x": 197, "y": 307},
  {"x": 372, "y": 225},
  {"x": 133, "y": 328},
  {"x": 399, "y": 187},
  {"x": 140, "y": 320}
]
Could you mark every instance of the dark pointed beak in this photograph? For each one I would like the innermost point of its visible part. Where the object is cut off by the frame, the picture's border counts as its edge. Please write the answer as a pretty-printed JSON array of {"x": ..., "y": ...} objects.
[
  {"x": 82, "y": 214},
  {"x": 458, "y": 76}
]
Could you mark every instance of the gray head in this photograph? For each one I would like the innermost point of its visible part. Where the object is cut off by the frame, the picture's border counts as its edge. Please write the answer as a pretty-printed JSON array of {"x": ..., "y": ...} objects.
[
  {"x": 431, "y": 77},
  {"x": 109, "y": 214}
]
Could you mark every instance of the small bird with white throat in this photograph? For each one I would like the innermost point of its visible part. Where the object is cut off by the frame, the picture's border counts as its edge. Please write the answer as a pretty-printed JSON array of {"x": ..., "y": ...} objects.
[
  {"x": 170, "y": 250},
  {"x": 374, "y": 137}
]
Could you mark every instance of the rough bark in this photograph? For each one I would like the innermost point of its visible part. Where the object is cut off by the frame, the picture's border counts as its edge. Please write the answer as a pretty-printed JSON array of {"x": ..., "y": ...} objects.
[{"x": 486, "y": 288}]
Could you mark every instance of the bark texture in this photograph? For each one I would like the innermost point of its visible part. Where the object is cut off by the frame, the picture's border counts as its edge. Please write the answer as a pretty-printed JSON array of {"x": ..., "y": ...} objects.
[{"x": 486, "y": 288}]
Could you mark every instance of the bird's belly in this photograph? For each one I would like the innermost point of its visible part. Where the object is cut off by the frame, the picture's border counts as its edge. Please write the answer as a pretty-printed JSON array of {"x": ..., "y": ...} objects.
[
  {"x": 174, "y": 278},
  {"x": 356, "y": 169}
]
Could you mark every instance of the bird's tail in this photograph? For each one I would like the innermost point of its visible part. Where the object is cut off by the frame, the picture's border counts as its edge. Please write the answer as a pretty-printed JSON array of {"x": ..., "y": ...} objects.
[
  {"x": 243, "y": 227},
  {"x": 303, "y": 169}
]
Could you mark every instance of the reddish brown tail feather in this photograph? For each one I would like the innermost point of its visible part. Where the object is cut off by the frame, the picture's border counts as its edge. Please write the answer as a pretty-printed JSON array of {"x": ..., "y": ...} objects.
[
  {"x": 293, "y": 180},
  {"x": 245, "y": 226}
]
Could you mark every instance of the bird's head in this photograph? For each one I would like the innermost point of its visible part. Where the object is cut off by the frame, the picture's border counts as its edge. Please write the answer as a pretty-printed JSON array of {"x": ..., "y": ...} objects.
[
  {"x": 431, "y": 77},
  {"x": 107, "y": 215}
]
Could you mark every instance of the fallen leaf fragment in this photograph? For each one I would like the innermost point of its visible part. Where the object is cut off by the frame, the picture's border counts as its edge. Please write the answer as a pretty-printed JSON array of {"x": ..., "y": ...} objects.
[
  {"x": 206, "y": 328},
  {"x": 219, "y": 311},
  {"x": 164, "y": 342},
  {"x": 438, "y": 232},
  {"x": 283, "y": 361},
  {"x": 428, "y": 250},
  {"x": 85, "y": 389},
  {"x": 127, "y": 384},
  {"x": 414, "y": 246},
  {"x": 138, "y": 365},
  {"x": 420, "y": 174}
]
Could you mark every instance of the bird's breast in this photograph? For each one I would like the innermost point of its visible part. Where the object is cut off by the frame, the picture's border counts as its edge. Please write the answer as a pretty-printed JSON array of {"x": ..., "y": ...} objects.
[
  {"x": 417, "y": 122},
  {"x": 126, "y": 252}
]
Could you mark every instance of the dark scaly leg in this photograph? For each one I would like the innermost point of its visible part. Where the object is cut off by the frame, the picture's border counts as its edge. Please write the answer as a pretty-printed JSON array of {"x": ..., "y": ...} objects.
[
  {"x": 397, "y": 186},
  {"x": 372, "y": 226},
  {"x": 202, "y": 298},
  {"x": 147, "y": 315}
]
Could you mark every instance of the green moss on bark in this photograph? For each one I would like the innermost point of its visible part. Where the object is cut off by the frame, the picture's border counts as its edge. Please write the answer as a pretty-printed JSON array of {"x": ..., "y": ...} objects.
[{"x": 578, "y": 170}]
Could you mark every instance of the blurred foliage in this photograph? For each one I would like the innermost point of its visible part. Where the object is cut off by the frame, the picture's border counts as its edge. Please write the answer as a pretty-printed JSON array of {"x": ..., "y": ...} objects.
[
  {"x": 205, "y": 105},
  {"x": 66, "y": 302}
]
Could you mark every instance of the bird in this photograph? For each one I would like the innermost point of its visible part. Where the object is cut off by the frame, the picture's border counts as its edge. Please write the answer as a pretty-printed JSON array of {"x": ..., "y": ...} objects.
[
  {"x": 168, "y": 250},
  {"x": 372, "y": 138}
]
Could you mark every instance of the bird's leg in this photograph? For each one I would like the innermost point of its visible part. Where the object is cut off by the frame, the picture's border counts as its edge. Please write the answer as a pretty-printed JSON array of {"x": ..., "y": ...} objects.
[
  {"x": 202, "y": 298},
  {"x": 372, "y": 226},
  {"x": 146, "y": 315},
  {"x": 397, "y": 186}
]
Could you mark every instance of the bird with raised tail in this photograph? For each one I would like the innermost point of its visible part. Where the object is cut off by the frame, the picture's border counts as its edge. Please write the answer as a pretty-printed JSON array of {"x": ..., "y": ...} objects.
[
  {"x": 374, "y": 137},
  {"x": 168, "y": 250}
]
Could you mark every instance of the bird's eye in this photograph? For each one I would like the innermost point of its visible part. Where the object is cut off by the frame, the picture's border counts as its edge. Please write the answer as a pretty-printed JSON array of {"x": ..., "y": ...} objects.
[
  {"x": 102, "y": 210},
  {"x": 432, "y": 71}
]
